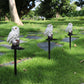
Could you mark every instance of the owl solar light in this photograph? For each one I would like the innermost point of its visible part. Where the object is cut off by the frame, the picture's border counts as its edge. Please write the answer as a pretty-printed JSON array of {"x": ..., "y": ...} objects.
[
  {"x": 13, "y": 38},
  {"x": 69, "y": 30},
  {"x": 49, "y": 32}
]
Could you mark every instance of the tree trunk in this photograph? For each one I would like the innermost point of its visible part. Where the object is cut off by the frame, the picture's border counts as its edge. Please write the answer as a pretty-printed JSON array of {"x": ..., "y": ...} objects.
[
  {"x": 6, "y": 18},
  {"x": 57, "y": 15},
  {"x": 0, "y": 14},
  {"x": 14, "y": 13},
  {"x": 0, "y": 17}
]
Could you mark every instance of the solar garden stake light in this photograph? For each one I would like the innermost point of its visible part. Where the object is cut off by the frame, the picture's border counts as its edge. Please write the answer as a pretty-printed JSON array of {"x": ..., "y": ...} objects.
[
  {"x": 48, "y": 32},
  {"x": 69, "y": 30},
  {"x": 13, "y": 38}
]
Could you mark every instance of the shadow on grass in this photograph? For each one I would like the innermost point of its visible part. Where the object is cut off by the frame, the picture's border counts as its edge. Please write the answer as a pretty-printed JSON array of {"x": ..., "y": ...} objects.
[
  {"x": 57, "y": 23},
  {"x": 80, "y": 42},
  {"x": 4, "y": 32},
  {"x": 3, "y": 22},
  {"x": 22, "y": 30},
  {"x": 59, "y": 70}
]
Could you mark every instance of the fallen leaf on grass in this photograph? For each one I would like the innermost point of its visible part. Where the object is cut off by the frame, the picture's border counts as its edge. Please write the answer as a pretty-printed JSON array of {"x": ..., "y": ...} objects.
[
  {"x": 74, "y": 72},
  {"x": 75, "y": 45},
  {"x": 82, "y": 61},
  {"x": 24, "y": 69}
]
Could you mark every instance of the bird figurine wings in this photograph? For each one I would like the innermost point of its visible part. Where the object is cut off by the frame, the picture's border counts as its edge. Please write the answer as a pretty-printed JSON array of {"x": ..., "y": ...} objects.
[
  {"x": 48, "y": 32},
  {"x": 13, "y": 36}
]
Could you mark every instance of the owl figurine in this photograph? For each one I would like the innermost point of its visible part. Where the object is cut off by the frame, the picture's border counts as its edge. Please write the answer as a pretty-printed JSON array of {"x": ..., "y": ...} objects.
[
  {"x": 48, "y": 32},
  {"x": 13, "y": 36},
  {"x": 69, "y": 28}
]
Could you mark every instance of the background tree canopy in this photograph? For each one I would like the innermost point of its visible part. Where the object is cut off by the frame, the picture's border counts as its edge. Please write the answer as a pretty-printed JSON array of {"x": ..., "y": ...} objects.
[
  {"x": 80, "y": 3},
  {"x": 23, "y": 6},
  {"x": 49, "y": 8}
]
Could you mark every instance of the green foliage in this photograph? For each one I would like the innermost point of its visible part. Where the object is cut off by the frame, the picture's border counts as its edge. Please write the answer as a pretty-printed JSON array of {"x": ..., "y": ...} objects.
[
  {"x": 50, "y": 8},
  {"x": 30, "y": 15},
  {"x": 76, "y": 13},
  {"x": 45, "y": 9},
  {"x": 79, "y": 3},
  {"x": 68, "y": 9}
]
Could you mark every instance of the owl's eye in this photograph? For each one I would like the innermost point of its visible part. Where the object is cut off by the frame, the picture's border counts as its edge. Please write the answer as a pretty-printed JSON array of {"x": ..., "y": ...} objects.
[{"x": 16, "y": 28}]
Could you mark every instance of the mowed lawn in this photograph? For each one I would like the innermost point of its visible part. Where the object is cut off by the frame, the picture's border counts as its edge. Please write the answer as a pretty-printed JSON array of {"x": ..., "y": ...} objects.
[{"x": 65, "y": 65}]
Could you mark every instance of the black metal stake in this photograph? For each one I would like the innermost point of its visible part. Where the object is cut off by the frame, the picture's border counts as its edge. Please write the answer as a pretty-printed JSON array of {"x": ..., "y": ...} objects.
[
  {"x": 49, "y": 39},
  {"x": 70, "y": 34},
  {"x": 48, "y": 48},
  {"x": 70, "y": 41},
  {"x": 15, "y": 64},
  {"x": 16, "y": 47}
]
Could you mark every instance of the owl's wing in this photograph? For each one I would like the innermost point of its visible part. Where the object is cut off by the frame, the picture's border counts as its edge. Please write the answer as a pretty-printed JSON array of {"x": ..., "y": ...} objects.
[
  {"x": 11, "y": 36},
  {"x": 70, "y": 29},
  {"x": 67, "y": 29},
  {"x": 46, "y": 31},
  {"x": 51, "y": 29}
]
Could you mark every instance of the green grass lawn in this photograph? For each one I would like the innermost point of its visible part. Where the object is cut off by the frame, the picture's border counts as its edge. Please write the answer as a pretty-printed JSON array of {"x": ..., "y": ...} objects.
[{"x": 64, "y": 67}]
